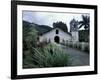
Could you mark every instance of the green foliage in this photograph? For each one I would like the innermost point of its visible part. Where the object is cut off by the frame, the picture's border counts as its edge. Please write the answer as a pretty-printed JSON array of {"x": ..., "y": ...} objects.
[
  {"x": 60, "y": 25},
  {"x": 84, "y": 35},
  {"x": 29, "y": 41},
  {"x": 85, "y": 22},
  {"x": 27, "y": 59},
  {"x": 49, "y": 56},
  {"x": 29, "y": 36}
]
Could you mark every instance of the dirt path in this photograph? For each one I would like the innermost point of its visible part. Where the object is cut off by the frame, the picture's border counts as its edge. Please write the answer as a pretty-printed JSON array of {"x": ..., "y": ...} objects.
[{"x": 76, "y": 57}]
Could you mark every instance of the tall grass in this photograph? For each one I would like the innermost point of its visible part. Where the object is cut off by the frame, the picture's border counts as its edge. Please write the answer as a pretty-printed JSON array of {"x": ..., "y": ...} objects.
[{"x": 49, "y": 56}]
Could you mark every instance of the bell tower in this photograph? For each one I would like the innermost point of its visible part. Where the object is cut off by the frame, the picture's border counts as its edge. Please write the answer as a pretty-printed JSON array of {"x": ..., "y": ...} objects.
[{"x": 74, "y": 30}]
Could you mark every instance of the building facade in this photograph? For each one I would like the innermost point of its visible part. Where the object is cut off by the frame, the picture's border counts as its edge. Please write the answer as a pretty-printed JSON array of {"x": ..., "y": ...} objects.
[
  {"x": 56, "y": 35},
  {"x": 59, "y": 36}
]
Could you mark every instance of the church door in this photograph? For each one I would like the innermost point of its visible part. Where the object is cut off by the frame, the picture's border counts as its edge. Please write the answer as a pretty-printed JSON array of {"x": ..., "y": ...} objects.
[{"x": 56, "y": 39}]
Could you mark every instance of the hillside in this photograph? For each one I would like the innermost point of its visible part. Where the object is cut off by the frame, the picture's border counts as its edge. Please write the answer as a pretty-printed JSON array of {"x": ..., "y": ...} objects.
[{"x": 40, "y": 28}]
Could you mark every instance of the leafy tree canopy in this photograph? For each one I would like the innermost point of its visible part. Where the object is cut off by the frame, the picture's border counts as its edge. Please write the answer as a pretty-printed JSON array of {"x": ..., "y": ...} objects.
[{"x": 60, "y": 25}]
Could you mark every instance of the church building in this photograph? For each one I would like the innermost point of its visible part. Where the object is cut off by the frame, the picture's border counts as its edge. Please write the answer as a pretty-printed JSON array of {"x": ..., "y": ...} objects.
[{"x": 59, "y": 36}]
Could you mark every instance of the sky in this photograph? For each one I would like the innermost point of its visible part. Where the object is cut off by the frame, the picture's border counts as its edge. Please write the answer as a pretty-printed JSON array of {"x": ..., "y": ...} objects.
[{"x": 48, "y": 18}]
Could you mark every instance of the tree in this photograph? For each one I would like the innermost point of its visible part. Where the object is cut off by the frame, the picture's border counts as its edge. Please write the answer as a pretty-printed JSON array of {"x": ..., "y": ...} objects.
[
  {"x": 85, "y": 22},
  {"x": 60, "y": 25}
]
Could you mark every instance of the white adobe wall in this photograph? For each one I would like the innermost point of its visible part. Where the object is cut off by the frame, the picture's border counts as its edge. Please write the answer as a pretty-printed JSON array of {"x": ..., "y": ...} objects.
[{"x": 50, "y": 35}]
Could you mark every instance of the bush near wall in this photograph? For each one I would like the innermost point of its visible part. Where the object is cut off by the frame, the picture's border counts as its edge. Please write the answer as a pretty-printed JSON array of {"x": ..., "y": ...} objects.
[{"x": 83, "y": 35}]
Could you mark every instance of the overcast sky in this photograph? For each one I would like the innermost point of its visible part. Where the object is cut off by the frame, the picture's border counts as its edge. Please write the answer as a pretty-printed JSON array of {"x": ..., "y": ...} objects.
[{"x": 47, "y": 18}]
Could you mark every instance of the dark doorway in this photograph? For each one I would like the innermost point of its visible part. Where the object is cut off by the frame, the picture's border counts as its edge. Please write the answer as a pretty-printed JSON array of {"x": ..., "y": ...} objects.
[{"x": 56, "y": 39}]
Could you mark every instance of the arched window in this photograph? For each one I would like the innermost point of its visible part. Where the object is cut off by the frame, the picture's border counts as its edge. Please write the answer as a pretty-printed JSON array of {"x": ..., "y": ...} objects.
[{"x": 57, "y": 31}]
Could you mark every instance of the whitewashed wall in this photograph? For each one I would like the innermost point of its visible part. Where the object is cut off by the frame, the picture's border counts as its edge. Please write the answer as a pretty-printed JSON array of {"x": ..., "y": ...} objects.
[{"x": 51, "y": 34}]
